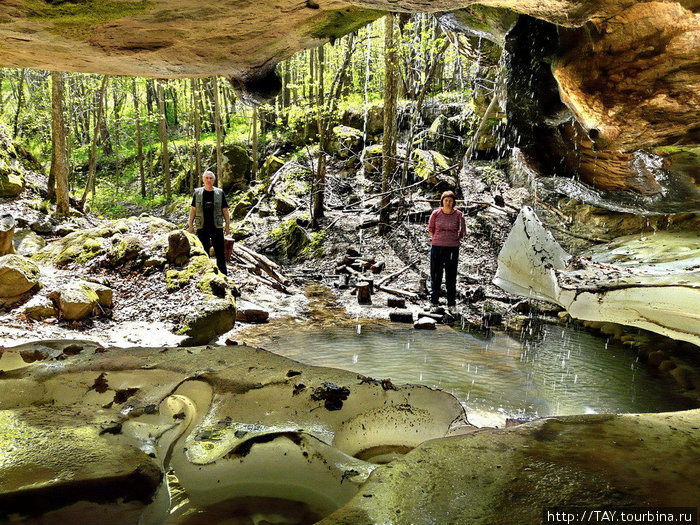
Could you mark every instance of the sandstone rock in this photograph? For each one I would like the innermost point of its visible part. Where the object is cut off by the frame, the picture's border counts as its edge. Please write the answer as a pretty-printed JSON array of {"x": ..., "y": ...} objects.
[
  {"x": 27, "y": 242},
  {"x": 76, "y": 301},
  {"x": 17, "y": 275},
  {"x": 354, "y": 117},
  {"x": 345, "y": 142},
  {"x": 236, "y": 166},
  {"x": 271, "y": 165},
  {"x": 213, "y": 317},
  {"x": 657, "y": 357},
  {"x": 684, "y": 377},
  {"x": 660, "y": 297},
  {"x": 42, "y": 225},
  {"x": 39, "y": 308},
  {"x": 66, "y": 228},
  {"x": 432, "y": 167},
  {"x": 372, "y": 160},
  {"x": 105, "y": 295},
  {"x": 11, "y": 182},
  {"x": 248, "y": 312},
  {"x": 178, "y": 247},
  {"x": 425, "y": 323},
  {"x": 284, "y": 204}
]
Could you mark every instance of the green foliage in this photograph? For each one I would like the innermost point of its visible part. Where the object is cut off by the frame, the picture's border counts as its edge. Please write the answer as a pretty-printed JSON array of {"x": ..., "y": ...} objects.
[{"x": 315, "y": 248}]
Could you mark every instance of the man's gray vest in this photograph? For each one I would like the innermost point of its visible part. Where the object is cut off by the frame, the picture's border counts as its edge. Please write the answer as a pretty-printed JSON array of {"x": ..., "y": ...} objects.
[{"x": 199, "y": 205}]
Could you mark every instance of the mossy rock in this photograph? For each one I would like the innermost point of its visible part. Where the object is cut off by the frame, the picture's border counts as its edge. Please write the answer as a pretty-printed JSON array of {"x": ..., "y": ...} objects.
[
  {"x": 354, "y": 116},
  {"x": 18, "y": 275},
  {"x": 236, "y": 166},
  {"x": 11, "y": 182},
  {"x": 27, "y": 242},
  {"x": 270, "y": 166},
  {"x": 284, "y": 204},
  {"x": 105, "y": 295},
  {"x": 243, "y": 205},
  {"x": 345, "y": 142},
  {"x": 290, "y": 239},
  {"x": 39, "y": 308},
  {"x": 76, "y": 301},
  {"x": 431, "y": 166},
  {"x": 373, "y": 159},
  {"x": 198, "y": 266}
]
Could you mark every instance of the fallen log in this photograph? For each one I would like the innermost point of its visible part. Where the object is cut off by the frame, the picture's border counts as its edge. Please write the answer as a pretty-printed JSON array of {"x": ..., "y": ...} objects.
[
  {"x": 378, "y": 267},
  {"x": 396, "y": 274},
  {"x": 273, "y": 284},
  {"x": 411, "y": 296}
]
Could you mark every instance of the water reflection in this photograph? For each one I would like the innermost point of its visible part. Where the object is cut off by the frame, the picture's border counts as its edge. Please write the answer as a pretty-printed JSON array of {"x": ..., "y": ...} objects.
[{"x": 553, "y": 370}]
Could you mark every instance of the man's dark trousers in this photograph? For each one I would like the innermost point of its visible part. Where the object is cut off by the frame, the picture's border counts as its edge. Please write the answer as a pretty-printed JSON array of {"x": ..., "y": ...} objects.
[{"x": 214, "y": 237}]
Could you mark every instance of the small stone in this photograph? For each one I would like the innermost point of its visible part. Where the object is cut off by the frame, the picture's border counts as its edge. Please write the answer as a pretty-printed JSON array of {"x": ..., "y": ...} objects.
[
  {"x": 657, "y": 357},
  {"x": 684, "y": 377},
  {"x": 39, "y": 308},
  {"x": 667, "y": 365},
  {"x": 425, "y": 323},
  {"x": 247, "y": 312}
]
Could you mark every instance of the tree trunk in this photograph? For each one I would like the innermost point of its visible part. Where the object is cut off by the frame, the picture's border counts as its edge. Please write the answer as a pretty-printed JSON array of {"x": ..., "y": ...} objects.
[
  {"x": 391, "y": 85},
  {"x": 197, "y": 135},
  {"x": 90, "y": 184},
  {"x": 217, "y": 126},
  {"x": 59, "y": 166},
  {"x": 319, "y": 194},
  {"x": 254, "y": 145},
  {"x": 139, "y": 141},
  {"x": 117, "y": 104},
  {"x": 20, "y": 101},
  {"x": 163, "y": 131}
]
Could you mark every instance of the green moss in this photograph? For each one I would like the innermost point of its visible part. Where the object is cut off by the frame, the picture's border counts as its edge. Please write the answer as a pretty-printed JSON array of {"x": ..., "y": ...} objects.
[
  {"x": 315, "y": 248},
  {"x": 213, "y": 283},
  {"x": 334, "y": 24},
  {"x": 290, "y": 238},
  {"x": 176, "y": 279},
  {"x": 91, "y": 248},
  {"x": 78, "y": 19}
]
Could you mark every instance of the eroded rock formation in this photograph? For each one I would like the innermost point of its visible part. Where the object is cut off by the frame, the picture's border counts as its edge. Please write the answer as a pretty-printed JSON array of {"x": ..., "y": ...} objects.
[
  {"x": 164, "y": 435},
  {"x": 658, "y": 291}
]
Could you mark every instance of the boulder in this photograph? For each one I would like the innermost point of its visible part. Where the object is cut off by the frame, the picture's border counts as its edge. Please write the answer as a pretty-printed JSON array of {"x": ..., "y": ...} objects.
[
  {"x": 235, "y": 167},
  {"x": 290, "y": 238},
  {"x": 270, "y": 166},
  {"x": 345, "y": 142},
  {"x": 178, "y": 247},
  {"x": 354, "y": 116},
  {"x": 432, "y": 167},
  {"x": 27, "y": 242},
  {"x": 213, "y": 317},
  {"x": 11, "y": 181},
  {"x": 105, "y": 295},
  {"x": 284, "y": 204},
  {"x": 372, "y": 159},
  {"x": 39, "y": 308},
  {"x": 17, "y": 275},
  {"x": 248, "y": 312},
  {"x": 76, "y": 301}
]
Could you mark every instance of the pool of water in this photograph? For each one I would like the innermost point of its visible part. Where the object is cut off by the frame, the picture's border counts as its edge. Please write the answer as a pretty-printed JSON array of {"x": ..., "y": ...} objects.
[{"x": 553, "y": 370}]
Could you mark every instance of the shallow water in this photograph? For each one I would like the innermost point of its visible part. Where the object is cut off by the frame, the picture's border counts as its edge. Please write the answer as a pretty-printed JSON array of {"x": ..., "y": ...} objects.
[{"x": 554, "y": 370}]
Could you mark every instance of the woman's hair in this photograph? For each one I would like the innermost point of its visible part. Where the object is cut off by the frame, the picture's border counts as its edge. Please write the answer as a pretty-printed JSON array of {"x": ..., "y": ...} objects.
[{"x": 448, "y": 193}]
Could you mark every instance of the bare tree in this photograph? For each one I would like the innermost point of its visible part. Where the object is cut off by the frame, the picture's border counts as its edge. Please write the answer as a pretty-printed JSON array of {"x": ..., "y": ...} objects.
[
  {"x": 139, "y": 141},
  {"x": 391, "y": 86},
  {"x": 90, "y": 184},
  {"x": 58, "y": 178},
  {"x": 163, "y": 131},
  {"x": 217, "y": 126}
]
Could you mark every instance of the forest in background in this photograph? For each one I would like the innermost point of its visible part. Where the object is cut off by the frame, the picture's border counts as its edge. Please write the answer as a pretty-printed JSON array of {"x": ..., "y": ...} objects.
[{"x": 118, "y": 129}]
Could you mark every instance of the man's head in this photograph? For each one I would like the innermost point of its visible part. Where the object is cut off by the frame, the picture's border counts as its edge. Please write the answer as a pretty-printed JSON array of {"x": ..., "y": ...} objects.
[{"x": 208, "y": 179}]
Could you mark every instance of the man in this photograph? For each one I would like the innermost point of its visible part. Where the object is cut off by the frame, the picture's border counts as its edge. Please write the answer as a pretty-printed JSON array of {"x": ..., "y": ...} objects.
[{"x": 209, "y": 213}]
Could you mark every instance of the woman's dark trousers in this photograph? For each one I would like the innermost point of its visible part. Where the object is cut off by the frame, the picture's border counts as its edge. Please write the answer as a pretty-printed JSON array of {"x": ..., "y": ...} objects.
[
  {"x": 443, "y": 257},
  {"x": 214, "y": 237}
]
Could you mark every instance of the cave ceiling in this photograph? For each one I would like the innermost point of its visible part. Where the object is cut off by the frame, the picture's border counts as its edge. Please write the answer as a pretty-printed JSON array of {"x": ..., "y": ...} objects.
[{"x": 625, "y": 73}]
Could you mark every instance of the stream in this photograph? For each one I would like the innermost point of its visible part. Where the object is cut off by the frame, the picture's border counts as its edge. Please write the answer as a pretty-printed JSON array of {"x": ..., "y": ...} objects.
[{"x": 551, "y": 370}]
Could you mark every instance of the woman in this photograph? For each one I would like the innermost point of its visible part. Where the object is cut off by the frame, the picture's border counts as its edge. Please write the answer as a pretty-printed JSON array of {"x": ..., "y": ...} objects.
[{"x": 447, "y": 228}]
